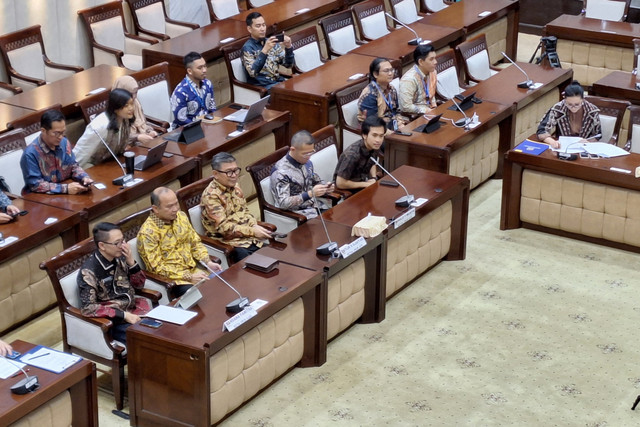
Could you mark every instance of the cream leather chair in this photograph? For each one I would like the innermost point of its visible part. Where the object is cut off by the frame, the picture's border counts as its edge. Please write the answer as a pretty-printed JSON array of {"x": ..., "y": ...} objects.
[
  {"x": 30, "y": 124},
  {"x": 474, "y": 56},
  {"x": 347, "y": 104},
  {"x": 608, "y": 10},
  {"x": 26, "y": 61},
  {"x": 611, "y": 114},
  {"x": 306, "y": 49},
  {"x": 243, "y": 92},
  {"x": 154, "y": 95},
  {"x": 371, "y": 20},
  {"x": 7, "y": 90},
  {"x": 339, "y": 33},
  {"x": 448, "y": 83},
  {"x": 150, "y": 18},
  {"x": 325, "y": 159},
  {"x": 12, "y": 145},
  {"x": 252, "y": 4},
  {"x": 432, "y": 6},
  {"x": 405, "y": 11},
  {"x": 633, "y": 142},
  {"x": 222, "y": 9},
  {"x": 111, "y": 42}
]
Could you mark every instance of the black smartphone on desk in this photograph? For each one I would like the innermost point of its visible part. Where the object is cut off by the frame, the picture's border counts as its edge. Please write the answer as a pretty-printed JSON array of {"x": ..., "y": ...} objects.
[{"x": 151, "y": 323}]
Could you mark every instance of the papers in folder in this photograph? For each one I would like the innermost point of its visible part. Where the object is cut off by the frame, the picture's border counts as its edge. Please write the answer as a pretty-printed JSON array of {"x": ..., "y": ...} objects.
[
  {"x": 602, "y": 149},
  {"x": 570, "y": 144},
  {"x": 49, "y": 359},
  {"x": 171, "y": 314}
]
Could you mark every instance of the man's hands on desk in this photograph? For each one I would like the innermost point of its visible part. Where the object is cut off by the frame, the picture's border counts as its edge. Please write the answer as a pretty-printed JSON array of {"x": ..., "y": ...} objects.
[
  {"x": 12, "y": 211},
  {"x": 80, "y": 187}
]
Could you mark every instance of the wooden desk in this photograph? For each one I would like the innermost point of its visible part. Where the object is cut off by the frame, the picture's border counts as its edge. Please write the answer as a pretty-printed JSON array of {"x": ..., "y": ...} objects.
[
  {"x": 618, "y": 85},
  {"x": 169, "y": 368},
  {"x": 96, "y": 203},
  {"x": 79, "y": 380},
  {"x": 566, "y": 197},
  {"x": 445, "y": 150},
  {"x": 448, "y": 203},
  {"x": 308, "y": 96},
  {"x": 205, "y": 40},
  {"x": 394, "y": 45},
  {"x": 590, "y": 30},
  {"x": 9, "y": 113},
  {"x": 299, "y": 248},
  {"x": 464, "y": 15},
  {"x": 69, "y": 90},
  {"x": 282, "y": 14}
]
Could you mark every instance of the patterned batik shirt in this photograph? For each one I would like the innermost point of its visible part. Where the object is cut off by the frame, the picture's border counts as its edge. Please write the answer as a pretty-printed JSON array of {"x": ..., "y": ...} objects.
[
  {"x": 417, "y": 91},
  {"x": 263, "y": 69},
  {"x": 189, "y": 102},
  {"x": 355, "y": 163},
  {"x": 44, "y": 169},
  {"x": 171, "y": 249},
  {"x": 290, "y": 183},
  {"x": 556, "y": 121},
  {"x": 107, "y": 288},
  {"x": 225, "y": 215},
  {"x": 374, "y": 101}
]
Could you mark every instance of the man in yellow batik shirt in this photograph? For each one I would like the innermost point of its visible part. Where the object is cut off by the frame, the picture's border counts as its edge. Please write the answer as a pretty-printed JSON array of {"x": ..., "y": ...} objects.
[
  {"x": 168, "y": 244},
  {"x": 225, "y": 214}
]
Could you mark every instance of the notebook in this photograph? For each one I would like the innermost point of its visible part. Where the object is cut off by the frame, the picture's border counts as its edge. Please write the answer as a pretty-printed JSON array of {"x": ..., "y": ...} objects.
[{"x": 251, "y": 113}]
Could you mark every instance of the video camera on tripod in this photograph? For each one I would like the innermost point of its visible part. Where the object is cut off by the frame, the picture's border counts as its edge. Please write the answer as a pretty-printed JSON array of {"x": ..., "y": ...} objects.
[{"x": 549, "y": 51}]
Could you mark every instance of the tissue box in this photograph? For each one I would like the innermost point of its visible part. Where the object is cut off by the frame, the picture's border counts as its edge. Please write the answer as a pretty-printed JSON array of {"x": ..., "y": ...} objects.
[{"x": 369, "y": 226}]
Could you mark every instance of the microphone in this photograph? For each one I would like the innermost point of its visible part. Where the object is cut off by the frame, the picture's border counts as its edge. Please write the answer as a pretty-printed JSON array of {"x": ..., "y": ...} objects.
[
  {"x": 527, "y": 84},
  {"x": 25, "y": 385},
  {"x": 238, "y": 304},
  {"x": 413, "y": 42},
  {"x": 330, "y": 247},
  {"x": 565, "y": 155},
  {"x": 126, "y": 177},
  {"x": 403, "y": 201},
  {"x": 462, "y": 122}
]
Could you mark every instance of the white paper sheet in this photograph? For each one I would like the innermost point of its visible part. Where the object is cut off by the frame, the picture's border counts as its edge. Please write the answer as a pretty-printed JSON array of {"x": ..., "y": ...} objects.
[{"x": 171, "y": 314}]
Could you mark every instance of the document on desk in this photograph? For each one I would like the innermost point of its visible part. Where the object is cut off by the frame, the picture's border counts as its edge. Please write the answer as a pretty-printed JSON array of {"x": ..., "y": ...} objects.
[
  {"x": 603, "y": 149},
  {"x": 570, "y": 144},
  {"x": 49, "y": 359},
  {"x": 171, "y": 314},
  {"x": 7, "y": 369}
]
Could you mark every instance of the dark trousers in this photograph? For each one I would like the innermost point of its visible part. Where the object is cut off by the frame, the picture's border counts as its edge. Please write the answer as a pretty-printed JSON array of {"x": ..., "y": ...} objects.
[
  {"x": 119, "y": 330},
  {"x": 240, "y": 253}
]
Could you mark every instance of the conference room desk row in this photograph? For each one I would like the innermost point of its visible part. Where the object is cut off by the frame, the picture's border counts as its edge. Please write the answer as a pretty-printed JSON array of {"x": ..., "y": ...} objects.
[
  {"x": 583, "y": 199},
  {"x": 310, "y": 299},
  {"x": 618, "y": 85}
]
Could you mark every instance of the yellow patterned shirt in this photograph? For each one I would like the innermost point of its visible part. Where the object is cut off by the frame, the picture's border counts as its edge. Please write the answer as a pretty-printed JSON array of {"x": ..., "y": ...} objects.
[
  {"x": 225, "y": 215},
  {"x": 171, "y": 250}
]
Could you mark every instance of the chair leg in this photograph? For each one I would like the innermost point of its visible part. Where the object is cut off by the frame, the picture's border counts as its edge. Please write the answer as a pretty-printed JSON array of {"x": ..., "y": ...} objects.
[
  {"x": 633, "y": 408},
  {"x": 117, "y": 378}
]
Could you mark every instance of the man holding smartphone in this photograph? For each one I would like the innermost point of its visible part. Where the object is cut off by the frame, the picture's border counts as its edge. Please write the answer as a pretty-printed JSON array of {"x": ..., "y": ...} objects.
[{"x": 262, "y": 56}]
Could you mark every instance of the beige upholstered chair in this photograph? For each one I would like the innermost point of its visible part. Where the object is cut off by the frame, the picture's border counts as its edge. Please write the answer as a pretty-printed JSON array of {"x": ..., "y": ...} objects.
[
  {"x": 89, "y": 337},
  {"x": 371, "y": 20},
  {"x": 306, "y": 49},
  {"x": 93, "y": 105},
  {"x": 243, "y": 92},
  {"x": 26, "y": 61},
  {"x": 111, "y": 42},
  {"x": 405, "y": 11},
  {"x": 154, "y": 95},
  {"x": 432, "y": 6},
  {"x": 12, "y": 145},
  {"x": 611, "y": 114},
  {"x": 30, "y": 124},
  {"x": 257, "y": 3},
  {"x": 609, "y": 10},
  {"x": 474, "y": 56},
  {"x": 325, "y": 159},
  {"x": 339, "y": 33},
  {"x": 150, "y": 18},
  {"x": 448, "y": 84},
  {"x": 222, "y": 9},
  {"x": 7, "y": 90},
  {"x": 347, "y": 103},
  {"x": 633, "y": 141}
]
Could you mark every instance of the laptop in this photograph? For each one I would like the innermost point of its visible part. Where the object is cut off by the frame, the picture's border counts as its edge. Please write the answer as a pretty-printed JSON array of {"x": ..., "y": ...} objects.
[
  {"x": 154, "y": 155},
  {"x": 251, "y": 113}
]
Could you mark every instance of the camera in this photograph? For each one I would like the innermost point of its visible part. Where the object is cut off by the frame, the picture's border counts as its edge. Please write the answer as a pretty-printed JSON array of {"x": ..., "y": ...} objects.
[{"x": 550, "y": 43}]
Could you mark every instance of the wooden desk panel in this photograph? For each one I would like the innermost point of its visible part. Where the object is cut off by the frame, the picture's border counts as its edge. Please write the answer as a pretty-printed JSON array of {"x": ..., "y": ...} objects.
[
  {"x": 177, "y": 357},
  {"x": 69, "y": 90},
  {"x": 282, "y": 14},
  {"x": 589, "y": 30},
  {"x": 618, "y": 85},
  {"x": 79, "y": 380}
]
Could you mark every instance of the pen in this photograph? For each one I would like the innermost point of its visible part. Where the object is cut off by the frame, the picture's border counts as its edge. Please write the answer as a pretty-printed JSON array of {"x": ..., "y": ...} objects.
[
  {"x": 18, "y": 373},
  {"x": 40, "y": 355}
]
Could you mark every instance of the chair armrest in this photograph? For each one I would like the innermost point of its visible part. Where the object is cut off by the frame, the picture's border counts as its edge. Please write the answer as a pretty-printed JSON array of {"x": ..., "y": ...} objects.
[
  {"x": 33, "y": 80},
  {"x": 140, "y": 38},
  {"x": 215, "y": 259},
  {"x": 153, "y": 34},
  {"x": 270, "y": 227},
  {"x": 115, "y": 52},
  {"x": 149, "y": 293},
  {"x": 102, "y": 322},
  {"x": 334, "y": 53},
  {"x": 336, "y": 196},
  {"x": 183, "y": 23},
  {"x": 263, "y": 92},
  {"x": 73, "y": 68},
  {"x": 161, "y": 280},
  {"x": 6, "y": 86},
  {"x": 299, "y": 218},
  {"x": 157, "y": 123},
  {"x": 217, "y": 244}
]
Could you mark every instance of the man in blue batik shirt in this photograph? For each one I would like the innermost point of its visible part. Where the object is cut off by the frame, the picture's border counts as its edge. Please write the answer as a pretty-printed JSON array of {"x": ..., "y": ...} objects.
[
  {"x": 263, "y": 56},
  {"x": 193, "y": 96}
]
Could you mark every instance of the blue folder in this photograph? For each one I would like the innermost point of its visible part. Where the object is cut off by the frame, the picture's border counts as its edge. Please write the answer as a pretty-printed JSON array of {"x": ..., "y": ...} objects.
[{"x": 531, "y": 147}]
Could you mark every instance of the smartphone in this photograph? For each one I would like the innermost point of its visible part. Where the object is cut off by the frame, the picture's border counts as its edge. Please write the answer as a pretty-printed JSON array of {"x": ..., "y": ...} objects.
[
  {"x": 399, "y": 132},
  {"x": 584, "y": 154},
  {"x": 389, "y": 183},
  {"x": 14, "y": 355},
  {"x": 279, "y": 37},
  {"x": 236, "y": 106},
  {"x": 151, "y": 323}
]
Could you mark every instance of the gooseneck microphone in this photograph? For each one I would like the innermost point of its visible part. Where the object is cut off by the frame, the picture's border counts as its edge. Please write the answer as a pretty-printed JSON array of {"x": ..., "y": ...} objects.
[
  {"x": 126, "y": 177},
  {"x": 330, "y": 247},
  {"x": 238, "y": 304},
  {"x": 413, "y": 42},
  {"x": 403, "y": 201},
  {"x": 527, "y": 84},
  {"x": 25, "y": 385},
  {"x": 462, "y": 122}
]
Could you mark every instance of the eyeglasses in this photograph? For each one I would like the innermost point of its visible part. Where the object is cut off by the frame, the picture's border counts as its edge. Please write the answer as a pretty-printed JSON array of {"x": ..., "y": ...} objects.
[
  {"x": 578, "y": 105},
  {"x": 57, "y": 134},
  {"x": 388, "y": 70},
  {"x": 308, "y": 153},
  {"x": 231, "y": 172},
  {"x": 117, "y": 243}
]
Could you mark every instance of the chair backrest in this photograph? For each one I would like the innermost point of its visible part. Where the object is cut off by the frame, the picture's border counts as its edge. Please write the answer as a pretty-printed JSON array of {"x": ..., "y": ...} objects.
[
  {"x": 339, "y": 32},
  {"x": 260, "y": 172},
  {"x": 432, "y": 6},
  {"x": 347, "y": 105},
  {"x": 189, "y": 199},
  {"x": 633, "y": 142},
  {"x": 306, "y": 49},
  {"x": 611, "y": 114},
  {"x": 448, "y": 83},
  {"x": 404, "y": 11},
  {"x": 153, "y": 91},
  {"x": 233, "y": 59},
  {"x": 609, "y": 10},
  {"x": 93, "y": 105},
  {"x": 475, "y": 57},
  {"x": 30, "y": 124},
  {"x": 23, "y": 51},
  {"x": 325, "y": 158},
  {"x": 257, "y": 3},
  {"x": 222, "y": 9},
  {"x": 12, "y": 145},
  {"x": 105, "y": 24},
  {"x": 148, "y": 15},
  {"x": 371, "y": 20}
]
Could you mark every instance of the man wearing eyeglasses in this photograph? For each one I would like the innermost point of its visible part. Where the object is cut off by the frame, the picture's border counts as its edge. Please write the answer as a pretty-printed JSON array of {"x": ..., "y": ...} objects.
[
  {"x": 168, "y": 244},
  {"x": 48, "y": 161},
  {"x": 225, "y": 214},
  {"x": 294, "y": 183},
  {"x": 107, "y": 281}
]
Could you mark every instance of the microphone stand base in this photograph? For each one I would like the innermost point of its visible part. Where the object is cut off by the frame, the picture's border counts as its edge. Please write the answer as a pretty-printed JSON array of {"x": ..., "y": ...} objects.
[
  {"x": 414, "y": 42},
  {"x": 327, "y": 248},
  {"x": 237, "y": 305},
  {"x": 25, "y": 385},
  {"x": 122, "y": 180},
  {"x": 525, "y": 85},
  {"x": 404, "y": 201}
]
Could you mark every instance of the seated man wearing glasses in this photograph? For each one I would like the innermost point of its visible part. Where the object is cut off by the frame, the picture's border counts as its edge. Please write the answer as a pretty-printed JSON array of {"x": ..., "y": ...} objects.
[
  {"x": 225, "y": 214},
  {"x": 294, "y": 184},
  {"x": 168, "y": 244},
  {"x": 49, "y": 161},
  {"x": 107, "y": 280}
]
